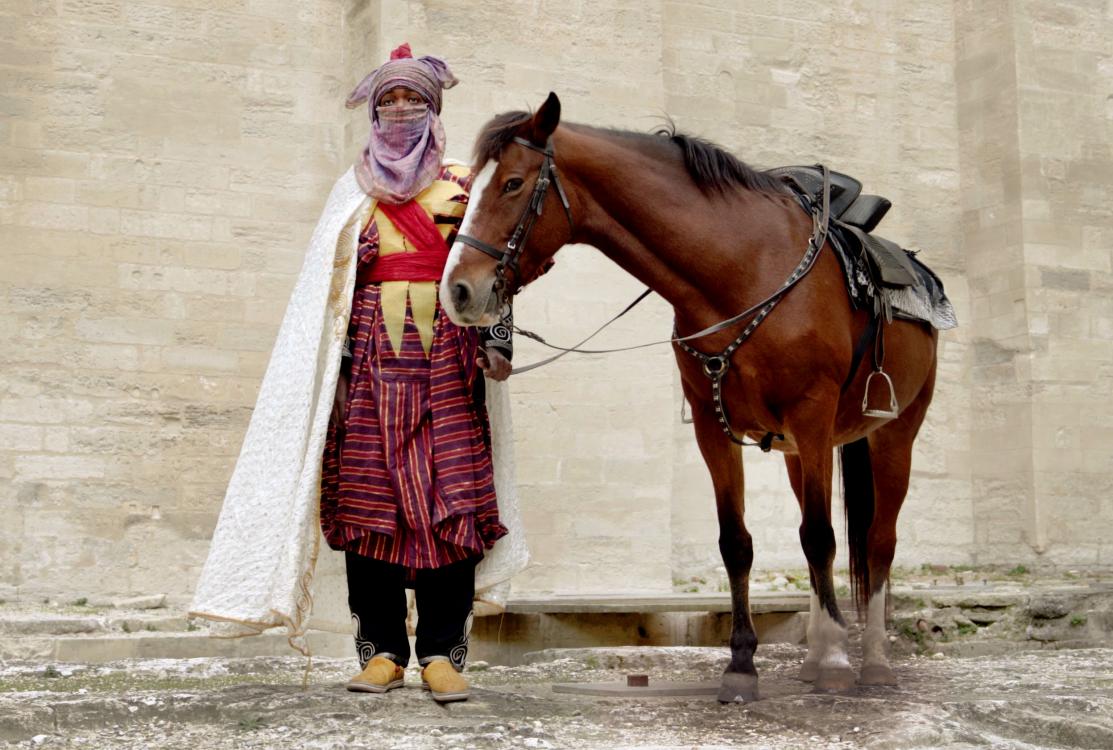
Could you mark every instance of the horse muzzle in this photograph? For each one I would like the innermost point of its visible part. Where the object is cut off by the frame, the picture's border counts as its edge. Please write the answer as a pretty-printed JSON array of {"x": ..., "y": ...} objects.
[{"x": 469, "y": 303}]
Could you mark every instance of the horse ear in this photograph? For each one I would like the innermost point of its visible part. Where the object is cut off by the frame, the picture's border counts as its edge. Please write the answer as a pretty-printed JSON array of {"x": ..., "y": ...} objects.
[{"x": 545, "y": 120}]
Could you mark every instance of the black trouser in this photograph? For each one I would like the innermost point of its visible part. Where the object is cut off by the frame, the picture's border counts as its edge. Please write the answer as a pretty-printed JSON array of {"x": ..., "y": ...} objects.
[{"x": 377, "y": 599}]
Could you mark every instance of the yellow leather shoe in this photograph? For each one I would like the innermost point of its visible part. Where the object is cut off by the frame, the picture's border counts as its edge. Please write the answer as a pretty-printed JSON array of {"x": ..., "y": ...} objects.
[
  {"x": 446, "y": 684},
  {"x": 379, "y": 676}
]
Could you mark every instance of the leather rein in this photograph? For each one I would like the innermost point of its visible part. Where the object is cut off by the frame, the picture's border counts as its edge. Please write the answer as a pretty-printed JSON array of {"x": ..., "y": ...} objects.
[{"x": 715, "y": 366}]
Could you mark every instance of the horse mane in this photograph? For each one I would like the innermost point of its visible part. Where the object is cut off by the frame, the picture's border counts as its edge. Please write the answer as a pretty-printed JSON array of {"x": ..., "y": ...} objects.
[
  {"x": 711, "y": 167},
  {"x": 714, "y": 169}
]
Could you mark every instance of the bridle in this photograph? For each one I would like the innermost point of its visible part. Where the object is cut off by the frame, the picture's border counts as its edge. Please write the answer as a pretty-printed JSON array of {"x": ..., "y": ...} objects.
[{"x": 509, "y": 256}]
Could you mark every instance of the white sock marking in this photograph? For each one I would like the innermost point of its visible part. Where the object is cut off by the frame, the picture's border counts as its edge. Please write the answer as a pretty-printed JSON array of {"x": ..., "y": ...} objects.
[{"x": 875, "y": 641}]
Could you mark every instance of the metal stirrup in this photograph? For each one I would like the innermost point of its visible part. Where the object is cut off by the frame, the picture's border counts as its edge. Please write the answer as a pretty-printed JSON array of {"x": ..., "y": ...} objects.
[{"x": 894, "y": 408}]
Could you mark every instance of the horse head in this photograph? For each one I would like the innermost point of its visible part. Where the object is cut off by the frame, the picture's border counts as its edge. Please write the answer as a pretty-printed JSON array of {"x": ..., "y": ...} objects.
[{"x": 507, "y": 236}]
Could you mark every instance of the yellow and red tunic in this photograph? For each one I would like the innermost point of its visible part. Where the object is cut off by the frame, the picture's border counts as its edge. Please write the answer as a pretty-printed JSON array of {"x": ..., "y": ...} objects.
[{"x": 408, "y": 477}]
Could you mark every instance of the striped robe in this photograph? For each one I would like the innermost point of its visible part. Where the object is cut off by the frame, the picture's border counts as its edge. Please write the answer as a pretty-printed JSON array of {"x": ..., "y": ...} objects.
[{"x": 408, "y": 478}]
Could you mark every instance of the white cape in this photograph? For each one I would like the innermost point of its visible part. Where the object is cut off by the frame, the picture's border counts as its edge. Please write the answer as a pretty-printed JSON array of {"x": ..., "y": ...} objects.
[{"x": 260, "y": 570}]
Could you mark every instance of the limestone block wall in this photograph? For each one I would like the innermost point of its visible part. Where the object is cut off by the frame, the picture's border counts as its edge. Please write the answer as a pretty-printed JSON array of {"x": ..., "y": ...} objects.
[
  {"x": 1064, "y": 63},
  {"x": 162, "y": 164},
  {"x": 161, "y": 167},
  {"x": 1036, "y": 128}
]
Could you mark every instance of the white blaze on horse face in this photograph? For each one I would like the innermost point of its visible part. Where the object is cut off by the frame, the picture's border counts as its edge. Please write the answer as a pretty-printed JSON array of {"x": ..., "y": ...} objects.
[{"x": 479, "y": 184}]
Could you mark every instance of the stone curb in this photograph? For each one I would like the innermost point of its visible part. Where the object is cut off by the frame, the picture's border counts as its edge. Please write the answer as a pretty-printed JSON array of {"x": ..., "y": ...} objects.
[{"x": 97, "y": 649}]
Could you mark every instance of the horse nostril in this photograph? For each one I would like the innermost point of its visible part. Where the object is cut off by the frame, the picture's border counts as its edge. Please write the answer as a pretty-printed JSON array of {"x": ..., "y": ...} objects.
[{"x": 460, "y": 295}]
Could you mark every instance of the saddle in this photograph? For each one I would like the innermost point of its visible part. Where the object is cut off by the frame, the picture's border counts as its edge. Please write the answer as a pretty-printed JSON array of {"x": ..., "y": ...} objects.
[{"x": 858, "y": 214}]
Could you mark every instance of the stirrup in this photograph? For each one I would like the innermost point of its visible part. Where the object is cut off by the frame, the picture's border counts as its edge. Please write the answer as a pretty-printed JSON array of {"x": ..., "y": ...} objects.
[{"x": 894, "y": 409}]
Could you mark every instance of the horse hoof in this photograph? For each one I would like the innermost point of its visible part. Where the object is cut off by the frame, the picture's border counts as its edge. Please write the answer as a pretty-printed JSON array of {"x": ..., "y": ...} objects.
[
  {"x": 877, "y": 674},
  {"x": 809, "y": 670},
  {"x": 738, "y": 688},
  {"x": 835, "y": 678}
]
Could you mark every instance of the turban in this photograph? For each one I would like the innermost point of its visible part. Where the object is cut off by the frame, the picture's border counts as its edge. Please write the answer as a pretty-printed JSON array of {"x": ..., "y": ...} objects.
[{"x": 426, "y": 75}]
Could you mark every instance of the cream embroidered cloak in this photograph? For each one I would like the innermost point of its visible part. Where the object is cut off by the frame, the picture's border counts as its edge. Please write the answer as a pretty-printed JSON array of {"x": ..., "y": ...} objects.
[{"x": 265, "y": 552}]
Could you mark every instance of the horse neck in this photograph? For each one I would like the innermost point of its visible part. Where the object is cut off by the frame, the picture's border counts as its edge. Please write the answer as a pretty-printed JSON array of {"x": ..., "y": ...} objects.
[{"x": 648, "y": 216}]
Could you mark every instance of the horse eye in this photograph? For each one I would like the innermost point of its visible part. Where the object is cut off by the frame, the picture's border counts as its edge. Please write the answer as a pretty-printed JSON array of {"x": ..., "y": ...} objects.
[{"x": 512, "y": 184}]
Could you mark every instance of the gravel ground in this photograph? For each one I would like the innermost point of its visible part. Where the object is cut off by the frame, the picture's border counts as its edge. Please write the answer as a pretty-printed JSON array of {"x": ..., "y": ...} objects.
[{"x": 1020, "y": 699}]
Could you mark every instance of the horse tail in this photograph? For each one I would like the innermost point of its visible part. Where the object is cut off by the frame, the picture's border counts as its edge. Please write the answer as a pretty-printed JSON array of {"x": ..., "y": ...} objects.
[{"x": 858, "y": 499}]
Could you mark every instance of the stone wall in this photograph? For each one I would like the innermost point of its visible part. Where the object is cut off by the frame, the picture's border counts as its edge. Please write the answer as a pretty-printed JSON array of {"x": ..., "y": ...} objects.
[
  {"x": 162, "y": 164},
  {"x": 161, "y": 168}
]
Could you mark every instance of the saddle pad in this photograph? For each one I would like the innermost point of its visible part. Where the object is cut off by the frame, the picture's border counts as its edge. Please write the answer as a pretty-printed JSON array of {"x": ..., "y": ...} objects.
[{"x": 923, "y": 300}]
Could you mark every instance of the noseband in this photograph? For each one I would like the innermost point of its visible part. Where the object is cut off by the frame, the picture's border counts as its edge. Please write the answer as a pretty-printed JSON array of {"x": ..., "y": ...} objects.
[{"x": 509, "y": 256}]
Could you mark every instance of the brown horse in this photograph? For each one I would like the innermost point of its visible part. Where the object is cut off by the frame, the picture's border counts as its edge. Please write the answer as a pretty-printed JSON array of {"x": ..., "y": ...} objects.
[{"x": 713, "y": 236}]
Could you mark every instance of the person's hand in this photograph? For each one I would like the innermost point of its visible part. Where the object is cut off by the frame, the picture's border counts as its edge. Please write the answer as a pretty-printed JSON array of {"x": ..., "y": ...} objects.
[
  {"x": 494, "y": 365},
  {"x": 340, "y": 401}
]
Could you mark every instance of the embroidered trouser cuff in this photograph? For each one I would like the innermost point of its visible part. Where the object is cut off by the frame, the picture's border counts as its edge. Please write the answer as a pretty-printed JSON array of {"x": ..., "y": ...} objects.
[{"x": 377, "y": 600}]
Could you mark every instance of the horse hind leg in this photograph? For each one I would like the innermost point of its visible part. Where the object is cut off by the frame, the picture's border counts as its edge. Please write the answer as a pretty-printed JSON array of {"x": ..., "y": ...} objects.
[{"x": 888, "y": 461}]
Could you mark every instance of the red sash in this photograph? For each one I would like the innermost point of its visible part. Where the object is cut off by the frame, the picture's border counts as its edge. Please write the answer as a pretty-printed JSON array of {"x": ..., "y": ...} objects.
[{"x": 427, "y": 264}]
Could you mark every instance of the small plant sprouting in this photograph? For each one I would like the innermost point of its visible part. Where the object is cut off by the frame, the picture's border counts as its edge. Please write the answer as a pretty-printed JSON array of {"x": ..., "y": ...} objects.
[
  {"x": 967, "y": 628},
  {"x": 1077, "y": 621},
  {"x": 250, "y": 724},
  {"x": 1019, "y": 570},
  {"x": 913, "y": 633},
  {"x": 81, "y": 602}
]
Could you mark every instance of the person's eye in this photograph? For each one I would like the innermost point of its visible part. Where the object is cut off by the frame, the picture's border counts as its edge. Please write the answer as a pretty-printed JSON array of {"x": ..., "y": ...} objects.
[
  {"x": 512, "y": 184},
  {"x": 415, "y": 100}
]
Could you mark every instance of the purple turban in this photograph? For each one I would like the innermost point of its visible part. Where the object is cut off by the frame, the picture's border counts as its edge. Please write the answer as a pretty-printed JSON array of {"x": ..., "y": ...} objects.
[{"x": 425, "y": 75}]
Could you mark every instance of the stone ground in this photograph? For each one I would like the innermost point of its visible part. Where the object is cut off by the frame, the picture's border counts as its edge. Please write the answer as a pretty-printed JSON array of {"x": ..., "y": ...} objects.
[
  {"x": 1018, "y": 662},
  {"x": 1017, "y": 699}
]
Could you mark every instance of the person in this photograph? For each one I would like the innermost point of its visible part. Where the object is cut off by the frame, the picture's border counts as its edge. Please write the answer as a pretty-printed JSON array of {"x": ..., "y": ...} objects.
[
  {"x": 374, "y": 427},
  {"x": 407, "y": 486}
]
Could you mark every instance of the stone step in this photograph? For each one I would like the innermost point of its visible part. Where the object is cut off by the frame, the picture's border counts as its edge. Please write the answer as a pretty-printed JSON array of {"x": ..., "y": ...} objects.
[
  {"x": 761, "y": 602},
  {"x": 536, "y": 622},
  {"x": 46, "y": 623},
  {"x": 530, "y": 623},
  {"x": 96, "y": 649}
]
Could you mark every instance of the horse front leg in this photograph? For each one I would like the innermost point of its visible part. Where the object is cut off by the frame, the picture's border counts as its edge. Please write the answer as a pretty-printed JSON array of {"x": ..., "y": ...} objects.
[
  {"x": 810, "y": 668},
  {"x": 828, "y": 661},
  {"x": 724, "y": 461}
]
